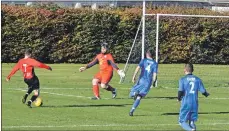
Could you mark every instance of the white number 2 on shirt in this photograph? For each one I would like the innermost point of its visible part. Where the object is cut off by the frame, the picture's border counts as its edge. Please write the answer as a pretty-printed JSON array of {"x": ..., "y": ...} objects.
[
  {"x": 24, "y": 65},
  {"x": 148, "y": 68},
  {"x": 192, "y": 88}
]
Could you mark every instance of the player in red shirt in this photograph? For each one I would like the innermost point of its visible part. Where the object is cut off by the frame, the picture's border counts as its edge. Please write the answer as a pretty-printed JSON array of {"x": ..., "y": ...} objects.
[
  {"x": 103, "y": 77},
  {"x": 26, "y": 65}
]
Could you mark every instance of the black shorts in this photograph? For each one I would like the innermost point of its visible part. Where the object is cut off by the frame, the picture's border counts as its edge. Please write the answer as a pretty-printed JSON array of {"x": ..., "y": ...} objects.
[{"x": 33, "y": 83}]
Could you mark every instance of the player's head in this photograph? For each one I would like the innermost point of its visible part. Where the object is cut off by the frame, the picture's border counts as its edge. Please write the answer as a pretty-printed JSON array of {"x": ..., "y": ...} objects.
[
  {"x": 188, "y": 68},
  {"x": 149, "y": 54},
  {"x": 104, "y": 48},
  {"x": 28, "y": 52}
]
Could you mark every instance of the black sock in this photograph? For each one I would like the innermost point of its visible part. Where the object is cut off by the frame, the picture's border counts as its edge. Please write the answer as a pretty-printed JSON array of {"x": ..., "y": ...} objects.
[
  {"x": 30, "y": 90},
  {"x": 110, "y": 88},
  {"x": 33, "y": 98},
  {"x": 26, "y": 95}
]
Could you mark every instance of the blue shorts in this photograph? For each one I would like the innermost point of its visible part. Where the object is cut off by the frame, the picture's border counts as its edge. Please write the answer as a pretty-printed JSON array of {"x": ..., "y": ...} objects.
[
  {"x": 187, "y": 115},
  {"x": 142, "y": 87}
]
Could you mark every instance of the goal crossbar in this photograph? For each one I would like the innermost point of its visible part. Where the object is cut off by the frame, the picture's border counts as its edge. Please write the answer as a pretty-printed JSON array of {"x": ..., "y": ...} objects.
[{"x": 181, "y": 15}]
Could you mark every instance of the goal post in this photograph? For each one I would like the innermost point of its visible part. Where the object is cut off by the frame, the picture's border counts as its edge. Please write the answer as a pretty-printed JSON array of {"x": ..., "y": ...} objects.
[
  {"x": 131, "y": 50},
  {"x": 137, "y": 50}
]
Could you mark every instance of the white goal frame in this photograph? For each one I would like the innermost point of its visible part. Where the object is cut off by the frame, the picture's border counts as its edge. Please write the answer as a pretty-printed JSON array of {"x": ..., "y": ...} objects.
[
  {"x": 175, "y": 15},
  {"x": 157, "y": 31}
]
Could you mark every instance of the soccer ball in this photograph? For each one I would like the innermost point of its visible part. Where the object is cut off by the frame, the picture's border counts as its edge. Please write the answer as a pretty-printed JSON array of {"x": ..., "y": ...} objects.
[{"x": 38, "y": 102}]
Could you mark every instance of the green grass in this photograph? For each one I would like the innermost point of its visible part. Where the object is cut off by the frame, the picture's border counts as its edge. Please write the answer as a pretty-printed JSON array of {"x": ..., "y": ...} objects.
[{"x": 66, "y": 107}]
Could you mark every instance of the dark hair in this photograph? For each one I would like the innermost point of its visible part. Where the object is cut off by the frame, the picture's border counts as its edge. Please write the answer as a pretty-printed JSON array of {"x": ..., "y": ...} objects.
[
  {"x": 150, "y": 52},
  {"x": 28, "y": 52},
  {"x": 104, "y": 45},
  {"x": 189, "y": 67}
]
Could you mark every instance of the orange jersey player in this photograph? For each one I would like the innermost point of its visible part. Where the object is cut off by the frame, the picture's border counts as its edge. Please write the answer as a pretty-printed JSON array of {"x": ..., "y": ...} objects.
[
  {"x": 103, "y": 77},
  {"x": 26, "y": 65}
]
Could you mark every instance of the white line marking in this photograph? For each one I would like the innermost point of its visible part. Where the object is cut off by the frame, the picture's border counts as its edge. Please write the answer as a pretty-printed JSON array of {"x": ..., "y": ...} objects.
[
  {"x": 53, "y": 88},
  {"x": 219, "y": 98},
  {"x": 48, "y": 88},
  {"x": 108, "y": 125},
  {"x": 58, "y": 94}
]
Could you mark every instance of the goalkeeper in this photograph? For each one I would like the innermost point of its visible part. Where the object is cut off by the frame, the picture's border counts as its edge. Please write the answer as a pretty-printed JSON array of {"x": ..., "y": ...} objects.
[
  {"x": 103, "y": 77},
  {"x": 147, "y": 77}
]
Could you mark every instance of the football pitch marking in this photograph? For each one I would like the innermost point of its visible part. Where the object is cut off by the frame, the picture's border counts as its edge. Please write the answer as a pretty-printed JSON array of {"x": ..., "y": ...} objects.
[
  {"x": 59, "y": 94},
  {"x": 109, "y": 125},
  {"x": 54, "y": 88}
]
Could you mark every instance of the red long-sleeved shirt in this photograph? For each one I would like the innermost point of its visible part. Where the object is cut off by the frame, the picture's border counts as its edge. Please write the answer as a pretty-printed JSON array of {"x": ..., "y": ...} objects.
[
  {"x": 106, "y": 62},
  {"x": 26, "y": 65}
]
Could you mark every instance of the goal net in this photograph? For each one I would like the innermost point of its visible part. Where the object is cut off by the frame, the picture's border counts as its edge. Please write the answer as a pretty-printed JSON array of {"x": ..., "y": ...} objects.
[
  {"x": 135, "y": 54},
  {"x": 179, "y": 39}
]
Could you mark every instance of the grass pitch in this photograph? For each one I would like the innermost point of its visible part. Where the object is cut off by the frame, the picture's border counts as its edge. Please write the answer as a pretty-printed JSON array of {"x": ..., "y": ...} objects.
[{"x": 65, "y": 93}]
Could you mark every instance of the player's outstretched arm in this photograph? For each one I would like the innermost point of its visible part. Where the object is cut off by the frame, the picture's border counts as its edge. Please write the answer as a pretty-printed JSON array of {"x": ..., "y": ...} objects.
[
  {"x": 14, "y": 70},
  {"x": 120, "y": 72},
  {"x": 92, "y": 63},
  {"x": 36, "y": 63},
  {"x": 135, "y": 73}
]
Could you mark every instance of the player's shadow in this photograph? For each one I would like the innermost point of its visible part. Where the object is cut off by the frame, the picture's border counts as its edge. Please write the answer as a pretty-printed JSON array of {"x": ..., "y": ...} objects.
[
  {"x": 161, "y": 97},
  {"x": 171, "y": 114},
  {"x": 100, "y": 105}
]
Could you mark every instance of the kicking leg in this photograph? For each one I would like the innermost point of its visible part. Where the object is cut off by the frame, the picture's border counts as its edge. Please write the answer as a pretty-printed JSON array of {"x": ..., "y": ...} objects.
[
  {"x": 135, "y": 91},
  {"x": 104, "y": 83},
  {"x": 135, "y": 105},
  {"x": 33, "y": 98}
]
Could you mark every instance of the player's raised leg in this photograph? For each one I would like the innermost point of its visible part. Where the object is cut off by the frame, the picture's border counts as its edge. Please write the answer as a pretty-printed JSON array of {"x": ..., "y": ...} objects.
[
  {"x": 33, "y": 98},
  {"x": 134, "y": 91},
  {"x": 34, "y": 86},
  {"x": 106, "y": 78},
  {"x": 113, "y": 91},
  {"x": 109, "y": 88}
]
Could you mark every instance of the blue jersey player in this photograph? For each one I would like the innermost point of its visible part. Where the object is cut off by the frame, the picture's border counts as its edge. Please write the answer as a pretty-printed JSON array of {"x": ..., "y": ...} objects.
[
  {"x": 148, "y": 76},
  {"x": 189, "y": 86}
]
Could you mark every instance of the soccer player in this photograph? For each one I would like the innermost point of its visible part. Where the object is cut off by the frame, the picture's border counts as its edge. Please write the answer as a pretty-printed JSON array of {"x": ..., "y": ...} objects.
[
  {"x": 189, "y": 85},
  {"x": 26, "y": 65},
  {"x": 148, "y": 76},
  {"x": 103, "y": 77}
]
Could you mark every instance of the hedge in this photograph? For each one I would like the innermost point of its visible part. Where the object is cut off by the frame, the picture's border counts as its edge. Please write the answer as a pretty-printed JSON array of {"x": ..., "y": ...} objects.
[{"x": 74, "y": 35}]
